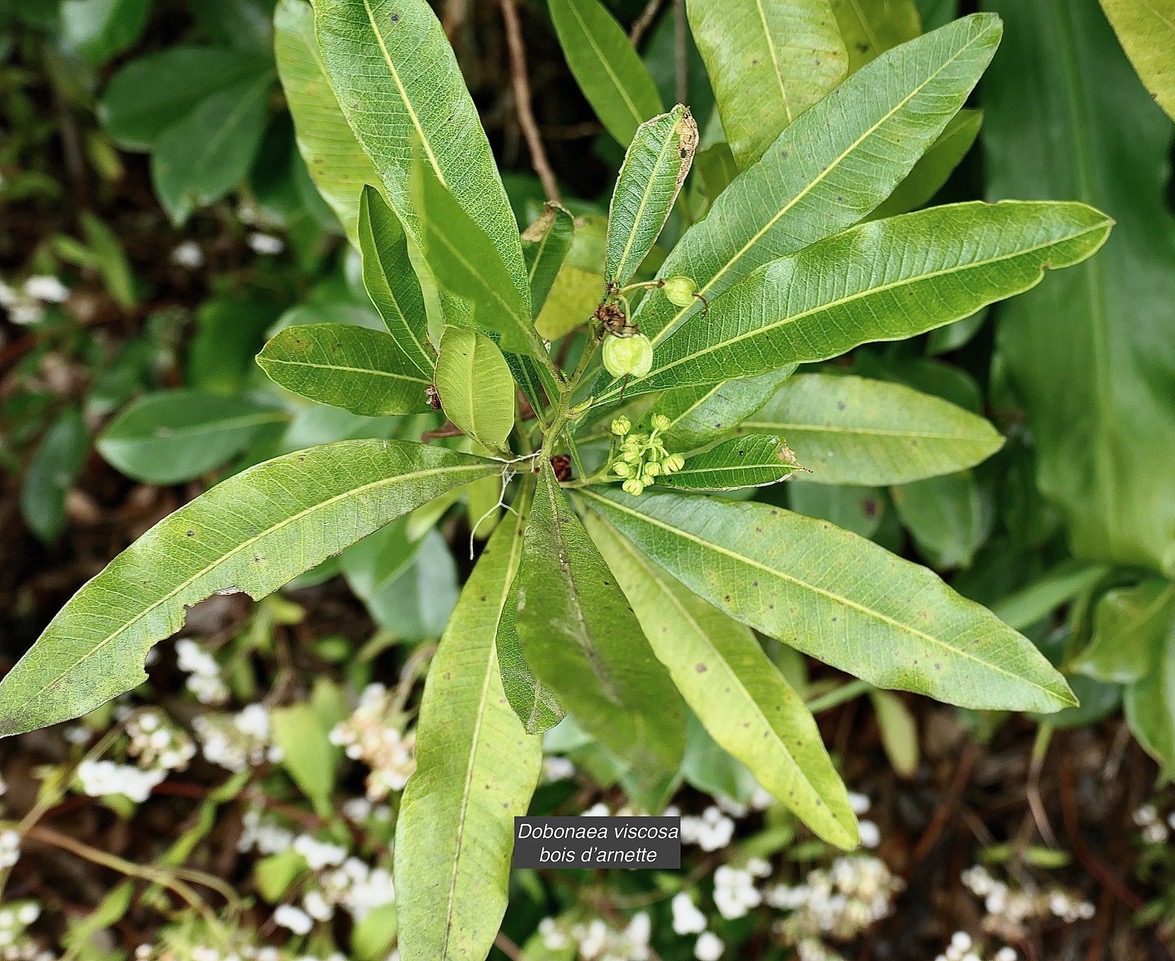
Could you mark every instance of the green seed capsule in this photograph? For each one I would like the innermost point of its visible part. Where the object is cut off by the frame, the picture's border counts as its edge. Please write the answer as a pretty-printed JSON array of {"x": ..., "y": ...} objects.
[
  {"x": 680, "y": 291},
  {"x": 628, "y": 355}
]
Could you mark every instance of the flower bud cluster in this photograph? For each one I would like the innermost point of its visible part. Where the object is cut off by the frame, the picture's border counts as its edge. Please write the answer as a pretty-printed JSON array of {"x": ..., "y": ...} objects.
[
  {"x": 596, "y": 940},
  {"x": 962, "y": 948},
  {"x": 838, "y": 902},
  {"x": 158, "y": 743},
  {"x": 15, "y": 942},
  {"x": 643, "y": 458}
]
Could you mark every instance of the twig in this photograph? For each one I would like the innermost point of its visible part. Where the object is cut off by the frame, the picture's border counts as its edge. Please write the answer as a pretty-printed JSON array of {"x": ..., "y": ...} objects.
[
  {"x": 945, "y": 810},
  {"x": 681, "y": 50},
  {"x": 643, "y": 22},
  {"x": 507, "y": 947},
  {"x": 518, "y": 76},
  {"x": 1089, "y": 861},
  {"x": 1040, "y": 751}
]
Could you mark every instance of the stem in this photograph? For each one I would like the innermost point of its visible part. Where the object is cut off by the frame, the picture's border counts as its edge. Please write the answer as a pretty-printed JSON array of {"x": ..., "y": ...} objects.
[{"x": 838, "y": 696}]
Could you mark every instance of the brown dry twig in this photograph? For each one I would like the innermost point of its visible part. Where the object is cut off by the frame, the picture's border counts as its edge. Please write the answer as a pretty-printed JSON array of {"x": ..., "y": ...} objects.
[{"x": 518, "y": 77}]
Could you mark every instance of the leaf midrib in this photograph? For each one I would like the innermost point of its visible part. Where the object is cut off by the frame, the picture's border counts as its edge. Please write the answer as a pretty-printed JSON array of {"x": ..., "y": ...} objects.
[
  {"x": 641, "y": 207},
  {"x": 784, "y": 427},
  {"x": 374, "y": 372},
  {"x": 830, "y": 595},
  {"x": 513, "y": 564},
  {"x": 730, "y": 672},
  {"x": 170, "y": 595},
  {"x": 208, "y": 427},
  {"x": 870, "y": 291},
  {"x": 670, "y": 325}
]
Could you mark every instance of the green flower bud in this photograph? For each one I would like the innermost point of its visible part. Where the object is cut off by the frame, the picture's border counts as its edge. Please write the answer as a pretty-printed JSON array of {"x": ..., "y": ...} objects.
[
  {"x": 660, "y": 422},
  {"x": 651, "y": 470},
  {"x": 680, "y": 291},
  {"x": 628, "y": 355},
  {"x": 673, "y": 463},
  {"x": 633, "y": 486},
  {"x": 622, "y": 469},
  {"x": 621, "y": 426}
]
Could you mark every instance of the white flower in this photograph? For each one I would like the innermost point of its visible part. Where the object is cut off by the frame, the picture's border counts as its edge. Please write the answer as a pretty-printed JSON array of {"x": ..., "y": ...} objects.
[
  {"x": 711, "y": 831},
  {"x": 315, "y": 905},
  {"x": 859, "y": 803},
  {"x": 319, "y": 854},
  {"x": 47, "y": 289},
  {"x": 870, "y": 834},
  {"x": 597, "y": 810},
  {"x": 266, "y": 244},
  {"x": 189, "y": 255},
  {"x": 553, "y": 935},
  {"x": 557, "y": 769},
  {"x": 687, "y": 918},
  {"x": 639, "y": 929},
  {"x": 735, "y": 892},
  {"x": 105, "y": 778},
  {"x": 1005, "y": 954},
  {"x": 9, "y": 848},
  {"x": 295, "y": 919},
  {"x": 709, "y": 947}
]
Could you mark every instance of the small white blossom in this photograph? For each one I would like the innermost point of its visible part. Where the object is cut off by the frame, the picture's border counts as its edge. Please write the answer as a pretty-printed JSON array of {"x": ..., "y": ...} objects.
[
  {"x": 319, "y": 854},
  {"x": 373, "y": 735},
  {"x": 557, "y": 769},
  {"x": 870, "y": 834},
  {"x": 292, "y": 918},
  {"x": 9, "y": 848},
  {"x": 687, "y": 918},
  {"x": 712, "y": 831},
  {"x": 735, "y": 892},
  {"x": 49, "y": 290},
  {"x": 188, "y": 255},
  {"x": 266, "y": 244},
  {"x": 709, "y": 947},
  {"x": 105, "y": 778}
]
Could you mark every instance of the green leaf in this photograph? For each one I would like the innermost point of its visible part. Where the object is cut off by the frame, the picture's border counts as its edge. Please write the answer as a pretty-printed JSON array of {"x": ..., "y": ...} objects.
[
  {"x": 737, "y": 693},
  {"x": 335, "y": 161},
  {"x": 885, "y": 280},
  {"x": 1146, "y": 29},
  {"x": 475, "y": 386},
  {"x": 307, "y": 753},
  {"x": 109, "y": 260},
  {"x": 535, "y": 704},
  {"x": 374, "y": 934},
  {"x": 754, "y": 460},
  {"x": 833, "y": 166},
  {"x": 654, "y": 168},
  {"x": 700, "y": 415},
  {"x": 205, "y": 155},
  {"x": 944, "y": 515},
  {"x": 899, "y": 732},
  {"x": 606, "y": 67},
  {"x": 870, "y": 27},
  {"x": 545, "y": 246},
  {"x": 839, "y": 598},
  {"x": 578, "y": 286},
  {"x": 52, "y": 471},
  {"x": 1128, "y": 624},
  {"x": 354, "y": 368},
  {"x": 273, "y": 875},
  {"x": 768, "y": 62},
  {"x": 391, "y": 281},
  {"x": 849, "y": 430},
  {"x": 584, "y": 642},
  {"x": 1149, "y": 703},
  {"x": 152, "y": 93},
  {"x": 857, "y": 509},
  {"x": 937, "y": 164},
  {"x": 1091, "y": 351},
  {"x": 1038, "y": 600},
  {"x": 476, "y": 769},
  {"x": 252, "y": 533},
  {"x": 175, "y": 436},
  {"x": 398, "y": 83},
  {"x": 466, "y": 263},
  {"x": 102, "y": 29}
]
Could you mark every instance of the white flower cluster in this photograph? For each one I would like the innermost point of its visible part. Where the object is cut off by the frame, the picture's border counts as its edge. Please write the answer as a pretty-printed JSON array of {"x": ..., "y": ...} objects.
[
  {"x": 735, "y": 893},
  {"x": 266, "y": 836},
  {"x": 838, "y": 902},
  {"x": 374, "y": 736},
  {"x": 15, "y": 942},
  {"x": 237, "y": 741},
  {"x": 9, "y": 849},
  {"x": 183, "y": 951},
  {"x": 688, "y": 919},
  {"x": 106, "y": 778},
  {"x": 711, "y": 832},
  {"x": 204, "y": 677},
  {"x": 158, "y": 743},
  {"x": 266, "y": 244},
  {"x": 1009, "y": 909},
  {"x": 359, "y": 810},
  {"x": 962, "y": 948},
  {"x": 1154, "y": 829},
  {"x": 596, "y": 940},
  {"x": 27, "y": 305}
]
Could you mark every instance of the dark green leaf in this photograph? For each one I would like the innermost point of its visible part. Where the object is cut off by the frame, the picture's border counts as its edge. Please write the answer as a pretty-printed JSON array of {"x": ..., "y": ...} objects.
[
  {"x": 176, "y": 436},
  {"x": 360, "y": 370},
  {"x": 1129, "y": 623},
  {"x": 252, "y": 533},
  {"x": 52, "y": 471},
  {"x": 839, "y": 598},
  {"x": 545, "y": 245},
  {"x": 754, "y": 460}
]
